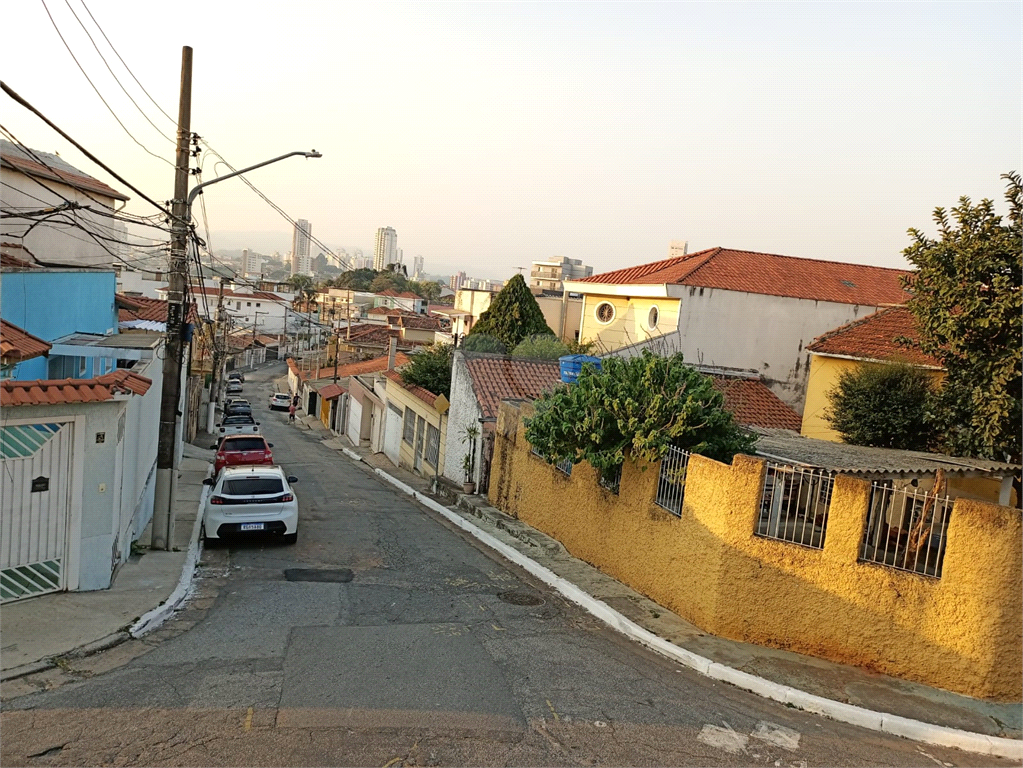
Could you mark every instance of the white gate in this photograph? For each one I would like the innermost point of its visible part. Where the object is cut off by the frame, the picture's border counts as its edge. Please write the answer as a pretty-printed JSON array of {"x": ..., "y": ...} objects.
[
  {"x": 392, "y": 433},
  {"x": 35, "y": 502}
]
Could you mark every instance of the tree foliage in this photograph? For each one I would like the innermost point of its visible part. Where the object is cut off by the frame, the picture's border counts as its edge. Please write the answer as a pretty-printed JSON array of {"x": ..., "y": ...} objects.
[
  {"x": 513, "y": 315},
  {"x": 883, "y": 405},
  {"x": 481, "y": 342},
  {"x": 966, "y": 300},
  {"x": 542, "y": 347},
  {"x": 639, "y": 405},
  {"x": 430, "y": 368}
]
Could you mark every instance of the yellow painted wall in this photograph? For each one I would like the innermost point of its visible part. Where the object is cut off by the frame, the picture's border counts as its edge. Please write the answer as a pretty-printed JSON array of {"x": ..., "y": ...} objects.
[
  {"x": 960, "y": 632},
  {"x": 406, "y": 455},
  {"x": 629, "y": 325},
  {"x": 824, "y": 375}
]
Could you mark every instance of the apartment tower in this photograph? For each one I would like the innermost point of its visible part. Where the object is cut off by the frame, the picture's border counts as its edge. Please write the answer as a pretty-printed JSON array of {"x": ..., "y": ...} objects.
[
  {"x": 301, "y": 262},
  {"x": 386, "y": 248}
]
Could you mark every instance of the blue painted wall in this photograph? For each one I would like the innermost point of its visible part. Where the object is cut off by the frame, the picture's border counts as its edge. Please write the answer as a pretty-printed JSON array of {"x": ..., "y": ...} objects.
[{"x": 51, "y": 304}]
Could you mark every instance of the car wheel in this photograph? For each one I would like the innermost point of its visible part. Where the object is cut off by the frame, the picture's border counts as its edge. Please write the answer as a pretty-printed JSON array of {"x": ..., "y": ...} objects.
[{"x": 291, "y": 538}]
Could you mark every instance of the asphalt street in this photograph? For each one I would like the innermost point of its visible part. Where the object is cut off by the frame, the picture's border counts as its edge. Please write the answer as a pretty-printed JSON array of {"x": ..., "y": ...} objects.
[{"x": 387, "y": 637}]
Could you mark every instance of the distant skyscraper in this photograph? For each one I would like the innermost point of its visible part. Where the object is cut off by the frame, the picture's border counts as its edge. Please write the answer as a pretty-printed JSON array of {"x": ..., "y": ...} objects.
[
  {"x": 457, "y": 281},
  {"x": 252, "y": 263},
  {"x": 548, "y": 275},
  {"x": 301, "y": 262},
  {"x": 385, "y": 250},
  {"x": 417, "y": 266},
  {"x": 678, "y": 248}
]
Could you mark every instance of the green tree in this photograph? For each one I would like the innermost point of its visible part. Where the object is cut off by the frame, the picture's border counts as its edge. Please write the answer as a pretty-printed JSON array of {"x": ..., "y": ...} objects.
[
  {"x": 966, "y": 299},
  {"x": 641, "y": 405},
  {"x": 427, "y": 290},
  {"x": 481, "y": 342},
  {"x": 541, "y": 348},
  {"x": 387, "y": 281},
  {"x": 430, "y": 368},
  {"x": 355, "y": 280},
  {"x": 883, "y": 405},
  {"x": 513, "y": 315}
]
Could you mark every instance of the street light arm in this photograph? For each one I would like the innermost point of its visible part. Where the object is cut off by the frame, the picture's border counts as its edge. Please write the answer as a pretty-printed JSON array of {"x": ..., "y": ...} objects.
[{"x": 198, "y": 188}]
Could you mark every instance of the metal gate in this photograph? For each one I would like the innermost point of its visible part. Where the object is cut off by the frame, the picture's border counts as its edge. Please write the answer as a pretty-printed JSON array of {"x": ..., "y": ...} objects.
[
  {"x": 35, "y": 503},
  {"x": 392, "y": 433}
]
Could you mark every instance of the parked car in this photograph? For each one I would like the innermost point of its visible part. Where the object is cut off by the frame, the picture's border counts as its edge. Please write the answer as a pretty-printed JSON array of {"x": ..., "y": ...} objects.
[
  {"x": 280, "y": 400},
  {"x": 236, "y": 450},
  {"x": 238, "y": 406},
  {"x": 251, "y": 501},
  {"x": 234, "y": 387},
  {"x": 236, "y": 375},
  {"x": 241, "y": 424}
]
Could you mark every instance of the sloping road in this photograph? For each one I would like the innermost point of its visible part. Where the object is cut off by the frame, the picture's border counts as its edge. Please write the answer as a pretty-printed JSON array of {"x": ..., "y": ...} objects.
[{"x": 386, "y": 637}]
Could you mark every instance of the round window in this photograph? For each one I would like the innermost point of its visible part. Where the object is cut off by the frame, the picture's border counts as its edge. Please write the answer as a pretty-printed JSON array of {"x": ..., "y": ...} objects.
[
  {"x": 651, "y": 319},
  {"x": 605, "y": 312}
]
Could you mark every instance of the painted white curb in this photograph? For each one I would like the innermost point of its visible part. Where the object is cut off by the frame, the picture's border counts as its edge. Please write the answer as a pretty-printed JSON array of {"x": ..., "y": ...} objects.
[
  {"x": 154, "y": 618},
  {"x": 351, "y": 454},
  {"x": 915, "y": 730}
]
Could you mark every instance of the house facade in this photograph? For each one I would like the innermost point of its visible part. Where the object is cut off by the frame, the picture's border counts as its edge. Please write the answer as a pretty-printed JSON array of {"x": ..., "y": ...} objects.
[
  {"x": 416, "y": 427},
  {"x": 732, "y": 309}
]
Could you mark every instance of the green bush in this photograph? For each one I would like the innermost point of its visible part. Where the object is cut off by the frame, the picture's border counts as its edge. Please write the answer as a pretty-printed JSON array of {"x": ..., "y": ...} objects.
[
  {"x": 430, "y": 368},
  {"x": 481, "y": 342},
  {"x": 541, "y": 347}
]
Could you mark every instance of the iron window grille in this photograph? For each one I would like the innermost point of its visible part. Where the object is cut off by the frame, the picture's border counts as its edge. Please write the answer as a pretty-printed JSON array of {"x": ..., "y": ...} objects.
[
  {"x": 906, "y": 529},
  {"x": 409, "y": 427},
  {"x": 794, "y": 504},
  {"x": 671, "y": 481}
]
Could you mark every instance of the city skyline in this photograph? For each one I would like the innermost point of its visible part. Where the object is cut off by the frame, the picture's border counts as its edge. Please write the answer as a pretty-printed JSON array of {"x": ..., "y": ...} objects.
[{"x": 604, "y": 130}]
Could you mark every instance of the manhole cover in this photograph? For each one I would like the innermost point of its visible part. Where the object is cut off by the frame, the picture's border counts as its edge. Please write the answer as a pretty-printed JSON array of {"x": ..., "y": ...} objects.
[
  {"x": 520, "y": 598},
  {"x": 329, "y": 575}
]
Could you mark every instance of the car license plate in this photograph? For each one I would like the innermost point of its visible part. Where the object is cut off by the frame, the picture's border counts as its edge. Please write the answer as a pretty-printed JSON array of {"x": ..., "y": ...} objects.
[{"x": 252, "y": 526}]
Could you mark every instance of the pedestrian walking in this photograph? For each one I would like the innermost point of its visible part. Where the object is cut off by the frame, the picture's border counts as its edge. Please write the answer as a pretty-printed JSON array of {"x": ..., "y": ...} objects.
[{"x": 291, "y": 413}]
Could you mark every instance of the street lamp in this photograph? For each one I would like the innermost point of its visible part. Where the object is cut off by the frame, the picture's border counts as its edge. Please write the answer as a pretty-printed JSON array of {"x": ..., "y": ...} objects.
[{"x": 166, "y": 456}]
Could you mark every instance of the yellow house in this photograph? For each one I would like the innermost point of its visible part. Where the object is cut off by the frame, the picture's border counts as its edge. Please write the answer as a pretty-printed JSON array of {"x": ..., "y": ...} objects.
[
  {"x": 424, "y": 426},
  {"x": 869, "y": 340}
]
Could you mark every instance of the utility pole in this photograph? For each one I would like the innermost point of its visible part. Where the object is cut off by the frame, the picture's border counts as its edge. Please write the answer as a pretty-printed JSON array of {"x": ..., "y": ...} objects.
[{"x": 163, "y": 517}]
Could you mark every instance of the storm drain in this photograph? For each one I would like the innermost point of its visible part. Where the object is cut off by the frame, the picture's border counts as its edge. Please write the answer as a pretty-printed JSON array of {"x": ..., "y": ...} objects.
[
  {"x": 520, "y": 598},
  {"x": 326, "y": 575}
]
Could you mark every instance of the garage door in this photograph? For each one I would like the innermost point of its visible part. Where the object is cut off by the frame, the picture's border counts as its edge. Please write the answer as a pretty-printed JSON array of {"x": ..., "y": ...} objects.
[
  {"x": 34, "y": 508},
  {"x": 392, "y": 433}
]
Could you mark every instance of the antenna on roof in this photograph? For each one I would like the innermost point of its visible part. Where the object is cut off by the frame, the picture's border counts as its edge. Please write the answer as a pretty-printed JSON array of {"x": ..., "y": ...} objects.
[{"x": 520, "y": 269}]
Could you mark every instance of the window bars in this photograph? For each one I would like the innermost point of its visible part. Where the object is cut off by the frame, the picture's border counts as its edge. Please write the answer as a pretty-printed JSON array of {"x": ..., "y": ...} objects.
[
  {"x": 562, "y": 466},
  {"x": 794, "y": 504},
  {"x": 432, "y": 445},
  {"x": 906, "y": 529},
  {"x": 409, "y": 426},
  {"x": 611, "y": 480},
  {"x": 671, "y": 483}
]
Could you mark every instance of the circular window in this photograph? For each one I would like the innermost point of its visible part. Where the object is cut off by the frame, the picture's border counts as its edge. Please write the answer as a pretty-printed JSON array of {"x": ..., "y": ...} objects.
[
  {"x": 651, "y": 319},
  {"x": 605, "y": 312}
]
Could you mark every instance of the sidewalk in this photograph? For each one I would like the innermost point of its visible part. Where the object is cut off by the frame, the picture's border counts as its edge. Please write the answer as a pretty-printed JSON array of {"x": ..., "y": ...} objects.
[
  {"x": 845, "y": 684},
  {"x": 37, "y": 630}
]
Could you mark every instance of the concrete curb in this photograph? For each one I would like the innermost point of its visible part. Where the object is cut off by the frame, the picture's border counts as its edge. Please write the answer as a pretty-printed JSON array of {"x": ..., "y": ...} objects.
[
  {"x": 915, "y": 730},
  {"x": 351, "y": 454},
  {"x": 154, "y": 618}
]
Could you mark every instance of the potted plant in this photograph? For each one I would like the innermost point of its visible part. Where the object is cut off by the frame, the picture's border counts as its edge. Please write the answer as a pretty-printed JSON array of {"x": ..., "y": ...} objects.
[{"x": 469, "y": 435}]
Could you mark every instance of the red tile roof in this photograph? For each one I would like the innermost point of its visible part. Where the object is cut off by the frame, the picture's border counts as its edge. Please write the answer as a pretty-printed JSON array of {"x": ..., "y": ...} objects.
[
  {"x": 378, "y": 336},
  {"x": 420, "y": 322},
  {"x": 425, "y": 395},
  {"x": 754, "y": 405},
  {"x": 143, "y": 308},
  {"x": 331, "y": 391},
  {"x": 76, "y": 180},
  {"x": 874, "y": 338},
  {"x": 60, "y": 391},
  {"x": 371, "y": 366},
  {"x": 228, "y": 293},
  {"x": 495, "y": 378},
  {"x": 769, "y": 274},
  {"x": 18, "y": 344},
  {"x": 389, "y": 311}
]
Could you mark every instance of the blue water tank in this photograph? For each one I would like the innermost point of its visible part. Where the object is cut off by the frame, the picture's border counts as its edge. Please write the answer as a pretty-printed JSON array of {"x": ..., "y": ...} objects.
[{"x": 571, "y": 365}]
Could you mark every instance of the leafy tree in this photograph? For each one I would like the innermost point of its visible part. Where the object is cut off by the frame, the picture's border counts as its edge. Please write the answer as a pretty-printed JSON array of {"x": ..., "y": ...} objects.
[
  {"x": 426, "y": 290},
  {"x": 541, "y": 348},
  {"x": 299, "y": 281},
  {"x": 883, "y": 405},
  {"x": 355, "y": 280},
  {"x": 966, "y": 299},
  {"x": 513, "y": 315},
  {"x": 386, "y": 281},
  {"x": 430, "y": 368},
  {"x": 481, "y": 342},
  {"x": 642, "y": 405}
]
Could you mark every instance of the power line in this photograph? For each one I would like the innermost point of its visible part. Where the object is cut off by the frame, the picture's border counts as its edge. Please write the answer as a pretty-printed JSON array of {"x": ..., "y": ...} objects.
[{"x": 100, "y": 95}]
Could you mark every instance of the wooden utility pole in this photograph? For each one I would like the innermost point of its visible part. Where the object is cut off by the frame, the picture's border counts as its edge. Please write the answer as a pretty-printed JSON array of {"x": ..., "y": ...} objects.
[{"x": 163, "y": 517}]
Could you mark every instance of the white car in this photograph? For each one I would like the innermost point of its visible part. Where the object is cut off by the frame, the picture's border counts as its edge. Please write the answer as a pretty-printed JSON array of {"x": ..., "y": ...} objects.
[
  {"x": 280, "y": 400},
  {"x": 239, "y": 424},
  {"x": 251, "y": 501}
]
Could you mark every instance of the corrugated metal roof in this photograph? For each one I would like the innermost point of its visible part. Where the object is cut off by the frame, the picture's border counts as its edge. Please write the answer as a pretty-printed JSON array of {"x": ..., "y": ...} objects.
[{"x": 863, "y": 460}]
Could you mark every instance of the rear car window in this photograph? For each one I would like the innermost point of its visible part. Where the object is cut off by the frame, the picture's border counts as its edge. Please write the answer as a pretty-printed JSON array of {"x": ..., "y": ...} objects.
[
  {"x": 239, "y": 420},
  {"x": 253, "y": 486},
  {"x": 244, "y": 444}
]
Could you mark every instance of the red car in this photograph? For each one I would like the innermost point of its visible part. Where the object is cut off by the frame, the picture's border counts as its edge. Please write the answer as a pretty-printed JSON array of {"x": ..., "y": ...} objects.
[{"x": 235, "y": 450}]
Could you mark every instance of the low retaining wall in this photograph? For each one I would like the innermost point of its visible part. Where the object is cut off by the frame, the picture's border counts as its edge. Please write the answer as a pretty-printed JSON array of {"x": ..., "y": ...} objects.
[{"x": 960, "y": 632}]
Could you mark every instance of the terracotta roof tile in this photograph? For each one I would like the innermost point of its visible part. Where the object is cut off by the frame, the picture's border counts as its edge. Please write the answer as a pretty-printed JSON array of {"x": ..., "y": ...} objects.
[
  {"x": 754, "y": 404},
  {"x": 77, "y": 179},
  {"x": 61, "y": 391},
  {"x": 143, "y": 308},
  {"x": 12, "y": 256},
  {"x": 18, "y": 344},
  {"x": 874, "y": 338},
  {"x": 371, "y": 366},
  {"x": 378, "y": 336},
  {"x": 769, "y": 274},
  {"x": 331, "y": 391},
  {"x": 425, "y": 395},
  {"x": 495, "y": 378}
]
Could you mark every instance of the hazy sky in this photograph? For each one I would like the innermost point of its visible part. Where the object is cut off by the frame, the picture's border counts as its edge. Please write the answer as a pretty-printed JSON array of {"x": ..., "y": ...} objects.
[{"x": 493, "y": 134}]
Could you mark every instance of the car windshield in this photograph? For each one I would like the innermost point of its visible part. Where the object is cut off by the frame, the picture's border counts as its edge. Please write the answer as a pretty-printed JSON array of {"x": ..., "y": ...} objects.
[
  {"x": 239, "y": 420},
  {"x": 253, "y": 486},
  {"x": 244, "y": 444}
]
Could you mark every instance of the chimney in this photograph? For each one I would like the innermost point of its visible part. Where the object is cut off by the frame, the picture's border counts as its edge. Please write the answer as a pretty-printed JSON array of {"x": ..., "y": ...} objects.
[{"x": 392, "y": 351}]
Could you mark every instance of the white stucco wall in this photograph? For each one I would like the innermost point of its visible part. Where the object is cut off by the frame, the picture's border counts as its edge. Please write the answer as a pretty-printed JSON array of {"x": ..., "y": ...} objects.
[{"x": 464, "y": 410}]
